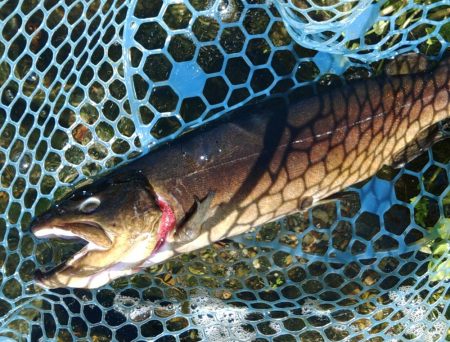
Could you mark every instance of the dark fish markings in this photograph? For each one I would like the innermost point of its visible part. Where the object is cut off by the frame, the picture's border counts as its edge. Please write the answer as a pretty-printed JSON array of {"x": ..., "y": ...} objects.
[{"x": 268, "y": 160}]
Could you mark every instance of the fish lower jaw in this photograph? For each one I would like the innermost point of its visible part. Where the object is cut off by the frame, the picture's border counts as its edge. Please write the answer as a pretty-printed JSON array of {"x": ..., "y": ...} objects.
[
  {"x": 92, "y": 282},
  {"x": 49, "y": 280}
]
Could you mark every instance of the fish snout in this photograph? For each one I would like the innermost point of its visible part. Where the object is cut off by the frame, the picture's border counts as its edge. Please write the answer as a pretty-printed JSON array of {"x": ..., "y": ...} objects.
[
  {"x": 46, "y": 219},
  {"x": 39, "y": 222}
]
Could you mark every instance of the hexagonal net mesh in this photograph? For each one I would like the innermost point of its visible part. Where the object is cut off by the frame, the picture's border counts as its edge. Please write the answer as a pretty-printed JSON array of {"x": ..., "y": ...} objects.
[
  {"x": 87, "y": 85},
  {"x": 366, "y": 29}
]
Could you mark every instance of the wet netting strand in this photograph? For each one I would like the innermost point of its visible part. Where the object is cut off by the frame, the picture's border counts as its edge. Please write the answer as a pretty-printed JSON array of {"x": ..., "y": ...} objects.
[{"x": 88, "y": 85}]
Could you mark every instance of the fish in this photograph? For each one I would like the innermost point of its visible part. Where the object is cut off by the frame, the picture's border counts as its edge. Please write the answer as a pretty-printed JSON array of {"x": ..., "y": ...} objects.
[{"x": 260, "y": 163}]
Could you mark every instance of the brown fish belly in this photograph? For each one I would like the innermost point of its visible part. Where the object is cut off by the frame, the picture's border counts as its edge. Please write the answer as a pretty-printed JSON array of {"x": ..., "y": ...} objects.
[{"x": 274, "y": 159}]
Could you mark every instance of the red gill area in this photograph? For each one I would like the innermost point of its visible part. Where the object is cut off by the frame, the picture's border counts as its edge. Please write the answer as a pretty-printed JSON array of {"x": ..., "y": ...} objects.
[{"x": 167, "y": 223}]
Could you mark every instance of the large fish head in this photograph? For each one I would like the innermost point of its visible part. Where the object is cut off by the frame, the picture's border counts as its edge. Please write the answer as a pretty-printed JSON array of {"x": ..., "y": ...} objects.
[{"x": 120, "y": 218}]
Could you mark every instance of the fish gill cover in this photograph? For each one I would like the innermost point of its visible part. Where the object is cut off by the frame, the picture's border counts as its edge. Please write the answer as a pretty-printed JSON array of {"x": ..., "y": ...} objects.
[{"x": 88, "y": 85}]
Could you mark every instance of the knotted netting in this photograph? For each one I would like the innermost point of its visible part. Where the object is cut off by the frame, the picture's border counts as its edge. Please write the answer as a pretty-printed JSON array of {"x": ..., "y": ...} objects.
[{"x": 87, "y": 85}]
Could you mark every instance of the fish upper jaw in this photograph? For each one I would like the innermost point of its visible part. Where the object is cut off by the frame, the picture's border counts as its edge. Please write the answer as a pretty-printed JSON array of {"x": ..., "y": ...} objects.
[{"x": 96, "y": 237}]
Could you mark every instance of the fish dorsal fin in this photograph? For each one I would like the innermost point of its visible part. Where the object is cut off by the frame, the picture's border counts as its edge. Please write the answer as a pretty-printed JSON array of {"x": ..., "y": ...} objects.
[
  {"x": 191, "y": 228},
  {"x": 421, "y": 143}
]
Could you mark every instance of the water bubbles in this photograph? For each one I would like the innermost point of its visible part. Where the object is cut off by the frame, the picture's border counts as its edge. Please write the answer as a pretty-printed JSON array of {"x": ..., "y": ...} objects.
[
  {"x": 204, "y": 319},
  {"x": 9, "y": 95},
  {"x": 223, "y": 5},
  {"x": 222, "y": 322},
  {"x": 312, "y": 307},
  {"x": 416, "y": 314},
  {"x": 276, "y": 326},
  {"x": 32, "y": 77},
  {"x": 140, "y": 313},
  {"x": 44, "y": 113},
  {"x": 25, "y": 163},
  {"x": 242, "y": 334},
  {"x": 217, "y": 333},
  {"x": 229, "y": 10},
  {"x": 138, "y": 310}
]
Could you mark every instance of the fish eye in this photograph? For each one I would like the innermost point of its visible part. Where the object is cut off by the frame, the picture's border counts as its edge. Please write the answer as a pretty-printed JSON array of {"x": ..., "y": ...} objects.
[{"x": 89, "y": 205}]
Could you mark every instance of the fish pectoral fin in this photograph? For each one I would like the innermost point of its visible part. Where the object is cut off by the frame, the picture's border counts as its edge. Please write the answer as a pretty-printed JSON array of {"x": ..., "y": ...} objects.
[
  {"x": 420, "y": 144},
  {"x": 192, "y": 226}
]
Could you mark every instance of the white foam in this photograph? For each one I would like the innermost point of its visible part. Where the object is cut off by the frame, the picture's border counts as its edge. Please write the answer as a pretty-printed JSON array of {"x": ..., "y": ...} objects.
[
  {"x": 312, "y": 307},
  {"x": 218, "y": 333},
  {"x": 276, "y": 326},
  {"x": 416, "y": 314},
  {"x": 138, "y": 310},
  {"x": 219, "y": 320}
]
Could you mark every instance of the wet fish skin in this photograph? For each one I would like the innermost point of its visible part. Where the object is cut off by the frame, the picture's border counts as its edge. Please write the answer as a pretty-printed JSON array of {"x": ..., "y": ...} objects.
[
  {"x": 116, "y": 216},
  {"x": 280, "y": 159},
  {"x": 267, "y": 161}
]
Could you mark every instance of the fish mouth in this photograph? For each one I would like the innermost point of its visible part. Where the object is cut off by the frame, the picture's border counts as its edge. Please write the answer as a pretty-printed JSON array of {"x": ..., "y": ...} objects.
[
  {"x": 108, "y": 253},
  {"x": 90, "y": 232}
]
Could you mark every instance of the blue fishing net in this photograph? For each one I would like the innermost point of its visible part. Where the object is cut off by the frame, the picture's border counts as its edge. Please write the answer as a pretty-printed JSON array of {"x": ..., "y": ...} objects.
[
  {"x": 366, "y": 30},
  {"x": 87, "y": 85}
]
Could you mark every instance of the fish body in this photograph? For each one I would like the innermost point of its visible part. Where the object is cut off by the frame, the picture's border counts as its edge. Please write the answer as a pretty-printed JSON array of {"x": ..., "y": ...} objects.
[{"x": 266, "y": 161}]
